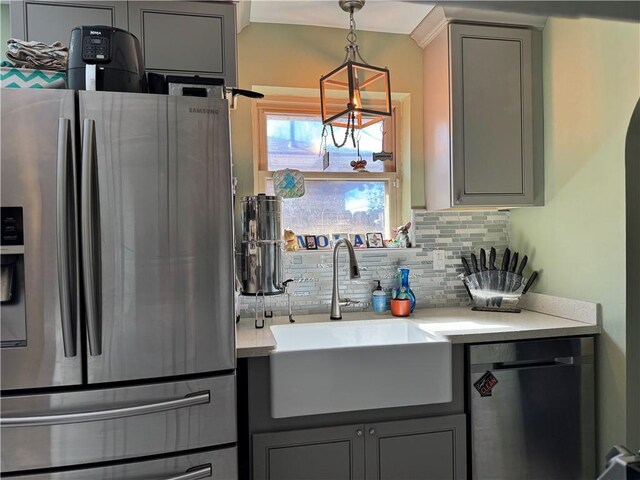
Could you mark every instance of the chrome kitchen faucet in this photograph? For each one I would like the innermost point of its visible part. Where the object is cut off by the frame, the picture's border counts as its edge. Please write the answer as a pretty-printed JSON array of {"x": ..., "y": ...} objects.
[{"x": 354, "y": 272}]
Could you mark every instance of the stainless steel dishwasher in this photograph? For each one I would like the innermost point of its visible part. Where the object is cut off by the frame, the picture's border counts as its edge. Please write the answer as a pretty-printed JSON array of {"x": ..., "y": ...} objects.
[{"x": 531, "y": 409}]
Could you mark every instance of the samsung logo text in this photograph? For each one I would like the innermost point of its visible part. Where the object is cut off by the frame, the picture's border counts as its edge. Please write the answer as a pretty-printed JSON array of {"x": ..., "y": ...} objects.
[{"x": 207, "y": 111}]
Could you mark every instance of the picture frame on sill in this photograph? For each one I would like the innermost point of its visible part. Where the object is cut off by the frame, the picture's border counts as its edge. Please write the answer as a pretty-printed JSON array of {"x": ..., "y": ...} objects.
[
  {"x": 311, "y": 242},
  {"x": 358, "y": 240},
  {"x": 323, "y": 242},
  {"x": 375, "y": 240}
]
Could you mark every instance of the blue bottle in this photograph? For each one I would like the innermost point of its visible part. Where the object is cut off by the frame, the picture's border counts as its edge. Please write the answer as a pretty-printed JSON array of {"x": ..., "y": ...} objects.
[{"x": 404, "y": 282}]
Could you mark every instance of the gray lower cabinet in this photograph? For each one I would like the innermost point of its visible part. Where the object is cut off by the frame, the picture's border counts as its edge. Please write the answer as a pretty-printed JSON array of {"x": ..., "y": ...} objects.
[
  {"x": 187, "y": 38},
  {"x": 52, "y": 21},
  {"x": 335, "y": 453},
  {"x": 483, "y": 117},
  {"x": 421, "y": 449}
]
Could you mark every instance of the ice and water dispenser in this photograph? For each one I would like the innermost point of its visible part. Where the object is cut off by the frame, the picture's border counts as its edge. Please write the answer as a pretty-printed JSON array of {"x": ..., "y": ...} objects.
[{"x": 12, "y": 291}]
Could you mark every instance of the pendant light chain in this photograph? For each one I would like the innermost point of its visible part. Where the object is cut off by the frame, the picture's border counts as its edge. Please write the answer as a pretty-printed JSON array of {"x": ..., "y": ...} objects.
[
  {"x": 349, "y": 131},
  {"x": 351, "y": 36},
  {"x": 352, "y": 49}
]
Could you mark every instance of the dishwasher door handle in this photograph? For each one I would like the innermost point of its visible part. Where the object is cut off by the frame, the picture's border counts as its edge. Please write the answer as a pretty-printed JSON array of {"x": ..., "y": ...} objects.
[
  {"x": 537, "y": 363},
  {"x": 552, "y": 362}
]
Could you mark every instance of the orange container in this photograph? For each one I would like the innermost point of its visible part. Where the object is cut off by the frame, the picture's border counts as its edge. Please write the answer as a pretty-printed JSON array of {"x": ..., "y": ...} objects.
[{"x": 400, "y": 308}]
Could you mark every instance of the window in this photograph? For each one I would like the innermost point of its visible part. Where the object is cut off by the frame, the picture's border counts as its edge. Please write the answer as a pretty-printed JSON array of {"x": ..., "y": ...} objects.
[{"x": 338, "y": 199}]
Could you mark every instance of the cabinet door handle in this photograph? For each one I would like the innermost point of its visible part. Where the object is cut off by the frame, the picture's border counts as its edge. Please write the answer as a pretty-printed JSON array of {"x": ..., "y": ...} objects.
[
  {"x": 359, "y": 432},
  {"x": 372, "y": 431}
]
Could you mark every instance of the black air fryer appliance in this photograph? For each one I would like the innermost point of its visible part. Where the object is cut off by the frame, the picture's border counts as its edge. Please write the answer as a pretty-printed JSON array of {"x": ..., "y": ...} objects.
[{"x": 107, "y": 59}]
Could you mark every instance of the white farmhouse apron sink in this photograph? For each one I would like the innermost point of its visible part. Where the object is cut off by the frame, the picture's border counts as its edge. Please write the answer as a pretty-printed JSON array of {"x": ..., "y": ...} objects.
[{"x": 357, "y": 365}]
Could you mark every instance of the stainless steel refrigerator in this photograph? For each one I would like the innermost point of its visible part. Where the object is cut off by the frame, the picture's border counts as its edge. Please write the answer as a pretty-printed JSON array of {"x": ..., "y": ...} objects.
[{"x": 117, "y": 312}]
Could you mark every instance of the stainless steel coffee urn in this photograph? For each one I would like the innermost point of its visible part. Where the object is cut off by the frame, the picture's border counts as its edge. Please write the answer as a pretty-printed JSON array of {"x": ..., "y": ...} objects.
[{"x": 262, "y": 243}]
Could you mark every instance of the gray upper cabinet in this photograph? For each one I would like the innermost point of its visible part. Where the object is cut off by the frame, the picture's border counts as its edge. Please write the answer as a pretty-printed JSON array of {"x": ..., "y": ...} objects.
[
  {"x": 187, "y": 38},
  {"x": 52, "y": 21},
  {"x": 177, "y": 38},
  {"x": 483, "y": 117}
]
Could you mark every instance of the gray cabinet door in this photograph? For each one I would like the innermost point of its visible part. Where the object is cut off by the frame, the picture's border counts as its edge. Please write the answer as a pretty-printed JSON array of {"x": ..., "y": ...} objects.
[
  {"x": 428, "y": 448},
  {"x": 52, "y": 21},
  {"x": 335, "y": 453},
  {"x": 492, "y": 112},
  {"x": 187, "y": 38}
]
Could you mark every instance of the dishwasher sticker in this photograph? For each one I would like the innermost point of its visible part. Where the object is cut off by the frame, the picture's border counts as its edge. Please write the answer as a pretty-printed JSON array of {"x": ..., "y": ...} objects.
[{"x": 485, "y": 384}]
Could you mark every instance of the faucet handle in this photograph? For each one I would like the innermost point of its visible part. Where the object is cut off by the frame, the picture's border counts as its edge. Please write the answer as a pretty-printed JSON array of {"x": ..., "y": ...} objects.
[{"x": 345, "y": 302}]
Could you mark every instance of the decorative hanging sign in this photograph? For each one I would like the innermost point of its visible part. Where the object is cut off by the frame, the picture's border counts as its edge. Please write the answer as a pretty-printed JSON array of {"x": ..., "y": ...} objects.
[
  {"x": 323, "y": 149},
  {"x": 288, "y": 183},
  {"x": 382, "y": 156}
]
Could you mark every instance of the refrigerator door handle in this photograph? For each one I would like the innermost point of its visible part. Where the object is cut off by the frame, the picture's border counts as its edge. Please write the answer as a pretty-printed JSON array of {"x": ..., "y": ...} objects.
[
  {"x": 190, "y": 400},
  {"x": 91, "y": 237},
  {"x": 66, "y": 236},
  {"x": 195, "y": 474}
]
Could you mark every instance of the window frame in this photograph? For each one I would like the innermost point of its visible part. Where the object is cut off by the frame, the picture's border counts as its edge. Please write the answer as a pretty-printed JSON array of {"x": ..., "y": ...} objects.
[{"x": 306, "y": 106}]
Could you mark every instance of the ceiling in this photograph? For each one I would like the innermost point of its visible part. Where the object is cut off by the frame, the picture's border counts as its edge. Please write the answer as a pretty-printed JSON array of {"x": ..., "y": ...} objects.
[
  {"x": 376, "y": 15},
  {"x": 402, "y": 16}
]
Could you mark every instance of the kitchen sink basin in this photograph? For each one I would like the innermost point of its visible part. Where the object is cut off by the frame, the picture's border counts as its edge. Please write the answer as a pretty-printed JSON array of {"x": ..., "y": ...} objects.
[{"x": 357, "y": 365}]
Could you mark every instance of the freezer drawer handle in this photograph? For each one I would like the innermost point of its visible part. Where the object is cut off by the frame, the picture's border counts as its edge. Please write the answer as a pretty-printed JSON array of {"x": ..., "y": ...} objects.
[
  {"x": 90, "y": 213},
  {"x": 197, "y": 474},
  {"x": 190, "y": 400},
  {"x": 67, "y": 237}
]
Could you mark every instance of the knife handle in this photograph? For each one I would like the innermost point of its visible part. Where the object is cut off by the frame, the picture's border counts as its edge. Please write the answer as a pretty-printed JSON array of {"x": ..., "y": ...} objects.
[
  {"x": 474, "y": 262},
  {"x": 505, "y": 260},
  {"x": 483, "y": 260},
  {"x": 532, "y": 279},
  {"x": 492, "y": 259},
  {"x": 522, "y": 265},
  {"x": 514, "y": 262},
  {"x": 465, "y": 264}
]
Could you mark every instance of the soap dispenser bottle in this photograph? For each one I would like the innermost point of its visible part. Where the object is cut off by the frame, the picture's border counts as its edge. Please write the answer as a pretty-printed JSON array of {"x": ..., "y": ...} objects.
[{"x": 379, "y": 299}]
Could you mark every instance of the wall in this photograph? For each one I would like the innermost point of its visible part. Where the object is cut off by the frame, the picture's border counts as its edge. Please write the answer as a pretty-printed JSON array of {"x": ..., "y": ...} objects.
[
  {"x": 5, "y": 28},
  {"x": 591, "y": 85},
  {"x": 455, "y": 233},
  {"x": 632, "y": 157},
  {"x": 277, "y": 55}
]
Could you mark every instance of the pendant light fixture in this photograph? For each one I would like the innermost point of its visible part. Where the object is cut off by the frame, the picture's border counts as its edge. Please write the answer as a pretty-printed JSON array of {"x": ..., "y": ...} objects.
[{"x": 356, "y": 94}]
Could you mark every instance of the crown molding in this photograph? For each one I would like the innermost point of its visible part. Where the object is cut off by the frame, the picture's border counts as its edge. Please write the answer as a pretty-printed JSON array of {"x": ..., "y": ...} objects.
[
  {"x": 243, "y": 9},
  {"x": 442, "y": 15}
]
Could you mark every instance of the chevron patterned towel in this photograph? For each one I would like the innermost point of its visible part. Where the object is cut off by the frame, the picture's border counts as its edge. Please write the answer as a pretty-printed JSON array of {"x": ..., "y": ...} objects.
[{"x": 28, "y": 78}]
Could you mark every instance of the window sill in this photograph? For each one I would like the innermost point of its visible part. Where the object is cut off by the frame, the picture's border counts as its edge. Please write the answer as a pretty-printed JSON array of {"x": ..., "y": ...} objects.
[{"x": 365, "y": 251}]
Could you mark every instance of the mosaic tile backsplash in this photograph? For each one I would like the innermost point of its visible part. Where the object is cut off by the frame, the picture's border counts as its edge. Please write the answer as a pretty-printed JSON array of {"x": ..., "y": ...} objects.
[{"x": 455, "y": 233}]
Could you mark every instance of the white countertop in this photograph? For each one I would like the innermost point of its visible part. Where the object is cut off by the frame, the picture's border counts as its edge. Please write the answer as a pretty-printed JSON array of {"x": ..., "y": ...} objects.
[{"x": 562, "y": 317}]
